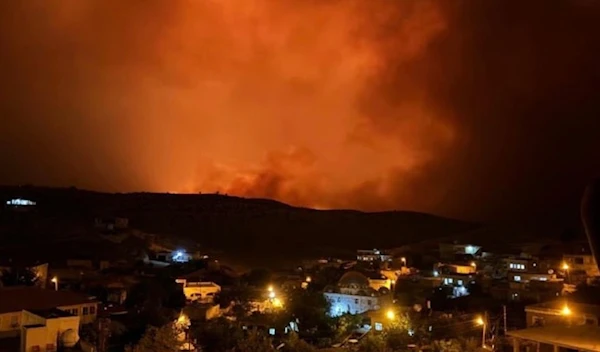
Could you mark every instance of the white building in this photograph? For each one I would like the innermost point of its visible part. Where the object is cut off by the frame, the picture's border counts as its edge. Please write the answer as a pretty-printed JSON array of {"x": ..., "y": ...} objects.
[
  {"x": 372, "y": 255},
  {"x": 527, "y": 277},
  {"x": 199, "y": 291},
  {"x": 355, "y": 294},
  {"x": 354, "y": 304}
]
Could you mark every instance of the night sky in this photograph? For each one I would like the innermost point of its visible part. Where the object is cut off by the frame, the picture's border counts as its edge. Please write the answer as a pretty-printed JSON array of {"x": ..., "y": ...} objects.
[{"x": 482, "y": 110}]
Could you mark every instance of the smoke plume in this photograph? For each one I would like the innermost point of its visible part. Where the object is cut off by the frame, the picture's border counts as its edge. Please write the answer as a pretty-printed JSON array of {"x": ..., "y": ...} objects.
[{"x": 478, "y": 109}]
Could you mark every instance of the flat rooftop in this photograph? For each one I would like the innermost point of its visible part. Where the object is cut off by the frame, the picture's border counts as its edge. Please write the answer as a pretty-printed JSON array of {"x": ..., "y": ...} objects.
[
  {"x": 50, "y": 313},
  {"x": 15, "y": 299},
  {"x": 582, "y": 337},
  {"x": 557, "y": 306}
]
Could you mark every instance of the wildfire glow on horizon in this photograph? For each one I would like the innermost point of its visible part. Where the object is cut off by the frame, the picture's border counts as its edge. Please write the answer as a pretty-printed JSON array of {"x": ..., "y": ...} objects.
[{"x": 366, "y": 104}]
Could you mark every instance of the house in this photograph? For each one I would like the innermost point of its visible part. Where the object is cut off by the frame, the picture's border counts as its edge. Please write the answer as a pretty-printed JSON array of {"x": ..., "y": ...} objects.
[
  {"x": 20, "y": 204},
  {"x": 15, "y": 300},
  {"x": 458, "y": 283},
  {"x": 88, "y": 264},
  {"x": 372, "y": 255},
  {"x": 518, "y": 264},
  {"x": 354, "y": 281},
  {"x": 527, "y": 277},
  {"x": 562, "y": 313},
  {"x": 342, "y": 303},
  {"x": 581, "y": 263},
  {"x": 164, "y": 258},
  {"x": 534, "y": 290},
  {"x": 449, "y": 251},
  {"x": 46, "y": 330},
  {"x": 379, "y": 282},
  {"x": 354, "y": 294},
  {"x": 200, "y": 291},
  {"x": 440, "y": 269},
  {"x": 556, "y": 338}
]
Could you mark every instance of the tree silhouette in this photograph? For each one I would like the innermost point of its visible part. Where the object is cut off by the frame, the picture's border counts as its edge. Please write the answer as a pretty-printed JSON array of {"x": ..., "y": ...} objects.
[
  {"x": 18, "y": 277},
  {"x": 254, "y": 342},
  {"x": 163, "y": 339}
]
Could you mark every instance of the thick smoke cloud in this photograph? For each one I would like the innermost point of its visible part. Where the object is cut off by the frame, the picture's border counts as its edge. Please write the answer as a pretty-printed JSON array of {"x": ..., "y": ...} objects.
[{"x": 479, "y": 109}]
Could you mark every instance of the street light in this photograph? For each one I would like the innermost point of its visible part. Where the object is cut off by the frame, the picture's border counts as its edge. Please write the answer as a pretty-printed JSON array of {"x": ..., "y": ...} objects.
[
  {"x": 565, "y": 267},
  {"x": 480, "y": 321},
  {"x": 390, "y": 314},
  {"x": 55, "y": 281},
  {"x": 566, "y": 311},
  {"x": 308, "y": 279},
  {"x": 403, "y": 259}
]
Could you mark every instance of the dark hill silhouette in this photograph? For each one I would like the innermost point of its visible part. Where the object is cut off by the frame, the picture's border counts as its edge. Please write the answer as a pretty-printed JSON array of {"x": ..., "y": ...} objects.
[{"x": 245, "y": 227}]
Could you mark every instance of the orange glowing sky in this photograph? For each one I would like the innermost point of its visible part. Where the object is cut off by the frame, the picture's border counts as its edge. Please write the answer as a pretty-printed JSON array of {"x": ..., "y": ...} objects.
[{"x": 329, "y": 103}]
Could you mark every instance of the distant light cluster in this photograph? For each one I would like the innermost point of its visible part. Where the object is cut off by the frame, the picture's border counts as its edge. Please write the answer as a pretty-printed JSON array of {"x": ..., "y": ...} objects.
[{"x": 20, "y": 202}]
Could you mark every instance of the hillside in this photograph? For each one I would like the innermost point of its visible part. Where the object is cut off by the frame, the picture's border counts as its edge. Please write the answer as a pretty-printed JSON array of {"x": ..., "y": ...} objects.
[{"x": 243, "y": 227}]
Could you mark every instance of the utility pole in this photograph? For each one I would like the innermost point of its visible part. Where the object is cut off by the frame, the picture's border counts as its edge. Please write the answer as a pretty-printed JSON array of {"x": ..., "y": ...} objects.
[
  {"x": 483, "y": 330},
  {"x": 504, "y": 318}
]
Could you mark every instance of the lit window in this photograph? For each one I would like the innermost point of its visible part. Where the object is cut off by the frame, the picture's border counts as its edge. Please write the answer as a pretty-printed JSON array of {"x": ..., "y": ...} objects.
[
  {"x": 378, "y": 327},
  {"x": 517, "y": 278},
  {"x": 460, "y": 282}
]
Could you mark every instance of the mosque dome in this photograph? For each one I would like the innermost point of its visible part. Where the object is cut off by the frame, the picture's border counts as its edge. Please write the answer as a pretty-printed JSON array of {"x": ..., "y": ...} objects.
[
  {"x": 69, "y": 338},
  {"x": 354, "y": 279}
]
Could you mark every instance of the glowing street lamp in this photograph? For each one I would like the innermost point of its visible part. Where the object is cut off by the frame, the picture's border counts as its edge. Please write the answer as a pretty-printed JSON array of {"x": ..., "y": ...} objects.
[
  {"x": 55, "y": 281},
  {"x": 183, "y": 321},
  {"x": 565, "y": 267},
  {"x": 308, "y": 279},
  {"x": 566, "y": 311},
  {"x": 270, "y": 289},
  {"x": 481, "y": 322},
  {"x": 403, "y": 259},
  {"x": 390, "y": 314}
]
